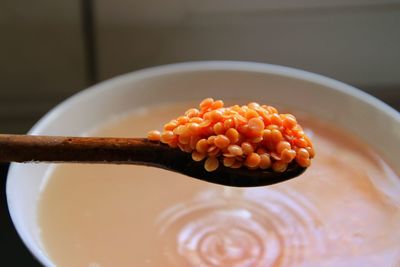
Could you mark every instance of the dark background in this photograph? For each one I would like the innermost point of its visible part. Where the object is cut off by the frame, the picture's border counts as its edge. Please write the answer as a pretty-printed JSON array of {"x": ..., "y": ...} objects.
[{"x": 50, "y": 50}]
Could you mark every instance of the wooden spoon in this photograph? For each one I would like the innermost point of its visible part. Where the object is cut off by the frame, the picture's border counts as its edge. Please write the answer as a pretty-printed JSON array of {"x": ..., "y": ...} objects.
[{"x": 137, "y": 151}]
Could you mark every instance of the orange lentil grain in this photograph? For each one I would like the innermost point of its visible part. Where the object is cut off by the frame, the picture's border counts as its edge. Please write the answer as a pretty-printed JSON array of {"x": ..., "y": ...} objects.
[
  {"x": 193, "y": 112},
  {"x": 267, "y": 134},
  {"x": 288, "y": 155},
  {"x": 206, "y": 103},
  {"x": 207, "y": 116},
  {"x": 211, "y": 164},
  {"x": 236, "y": 108},
  {"x": 167, "y": 136},
  {"x": 276, "y": 119},
  {"x": 237, "y": 165},
  {"x": 170, "y": 125},
  {"x": 235, "y": 150},
  {"x": 253, "y": 105},
  {"x": 311, "y": 151},
  {"x": 271, "y": 109},
  {"x": 253, "y": 160},
  {"x": 219, "y": 128},
  {"x": 272, "y": 127},
  {"x": 261, "y": 151},
  {"x": 304, "y": 162},
  {"x": 211, "y": 139},
  {"x": 300, "y": 142},
  {"x": 215, "y": 115},
  {"x": 154, "y": 136},
  {"x": 180, "y": 130},
  {"x": 183, "y": 139},
  {"x": 231, "y": 135},
  {"x": 276, "y": 136},
  {"x": 308, "y": 140},
  {"x": 193, "y": 141},
  {"x": 221, "y": 141},
  {"x": 229, "y": 123},
  {"x": 251, "y": 114},
  {"x": 207, "y": 131},
  {"x": 217, "y": 104},
  {"x": 196, "y": 120},
  {"x": 265, "y": 161},
  {"x": 289, "y": 121},
  {"x": 214, "y": 152},
  {"x": 275, "y": 156},
  {"x": 297, "y": 131},
  {"x": 182, "y": 120},
  {"x": 243, "y": 129},
  {"x": 256, "y": 125},
  {"x": 279, "y": 166},
  {"x": 205, "y": 123},
  {"x": 184, "y": 147},
  {"x": 211, "y": 148},
  {"x": 228, "y": 162},
  {"x": 173, "y": 143},
  {"x": 282, "y": 145},
  {"x": 194, "y": 128},
  {"x": 256, "y": 139},
  {"x": 247, "y": 148},
  {"x": 202, "y": 146},
  {"x": 197, "y": 156},
  {"x": 302, "y": 153}
]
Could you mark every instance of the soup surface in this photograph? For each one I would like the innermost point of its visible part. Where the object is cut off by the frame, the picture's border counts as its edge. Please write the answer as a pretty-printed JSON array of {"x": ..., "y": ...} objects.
[{"x": 344, "y": 211}]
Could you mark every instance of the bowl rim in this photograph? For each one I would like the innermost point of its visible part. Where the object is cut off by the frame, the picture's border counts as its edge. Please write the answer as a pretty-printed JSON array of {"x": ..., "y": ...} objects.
[
  {"x": 183, "y": 67},
  {"x": 216, "y": 65}
]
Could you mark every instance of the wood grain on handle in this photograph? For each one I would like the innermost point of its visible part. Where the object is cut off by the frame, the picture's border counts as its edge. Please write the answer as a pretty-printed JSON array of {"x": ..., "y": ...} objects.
[
  {"x": 26, "y": 148},
  {"x": 137, "y": 151}
]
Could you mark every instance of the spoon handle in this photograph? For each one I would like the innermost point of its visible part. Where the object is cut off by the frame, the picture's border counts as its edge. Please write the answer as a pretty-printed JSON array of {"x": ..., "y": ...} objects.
[
  {"x": 137, "y": 151},
  {"x": 26, "y": 148}
]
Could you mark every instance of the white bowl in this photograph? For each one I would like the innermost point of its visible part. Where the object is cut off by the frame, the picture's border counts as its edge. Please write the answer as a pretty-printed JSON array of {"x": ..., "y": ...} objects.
[{"x": 328, "y": 99}]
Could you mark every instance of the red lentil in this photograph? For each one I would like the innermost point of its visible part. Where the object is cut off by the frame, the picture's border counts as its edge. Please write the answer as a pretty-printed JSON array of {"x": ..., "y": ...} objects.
[
  {"x": 233, "y": 135},
  {"x": 228, "y": 162},
  {"x": 211, "y": 164},
  {"x": 197, "y": 156},
  {"x": 154, "y": 136},
  {"x": 253, "y": 160},
  {"x": 279, "y": 166},
  {"x": 193, "y": 112},
  {"x": 247, "y": 148},
  {"x": 202, "y": 146},
  {"x": 288, "y": 155},
  {"x": 221, "y": 141},
  {"x": 167, "y": 137},
  {"x": 219, "y": 128},
  {"x": 252, "y": 135},
  {"x": 282, "y": 145},
  {"x": 237, "y": 165},
  {"x": 265, "y": 161}
]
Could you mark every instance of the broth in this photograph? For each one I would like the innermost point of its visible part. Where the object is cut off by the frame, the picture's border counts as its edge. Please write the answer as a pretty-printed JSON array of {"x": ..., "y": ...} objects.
[{"x": 339, "y": 213}]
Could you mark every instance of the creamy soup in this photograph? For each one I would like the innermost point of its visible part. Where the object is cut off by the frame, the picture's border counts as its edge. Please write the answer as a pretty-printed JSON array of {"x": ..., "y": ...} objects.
[{"x": 344, "y": 211}]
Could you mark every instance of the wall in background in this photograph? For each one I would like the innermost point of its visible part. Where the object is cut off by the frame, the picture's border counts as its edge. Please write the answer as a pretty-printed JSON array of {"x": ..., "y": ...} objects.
[
  {"x": 44, "y": 44},
  {"x": 353, "y": 41},
  {"x": 41, "y": 59}
]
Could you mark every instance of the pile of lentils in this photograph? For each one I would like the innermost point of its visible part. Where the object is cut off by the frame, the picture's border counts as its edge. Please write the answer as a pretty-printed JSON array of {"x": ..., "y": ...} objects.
[{"x": 253, "y": 136}]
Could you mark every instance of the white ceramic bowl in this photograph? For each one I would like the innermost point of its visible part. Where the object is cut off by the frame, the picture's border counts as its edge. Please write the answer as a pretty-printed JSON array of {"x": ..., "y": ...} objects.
[{"x": 328, "y": 99}]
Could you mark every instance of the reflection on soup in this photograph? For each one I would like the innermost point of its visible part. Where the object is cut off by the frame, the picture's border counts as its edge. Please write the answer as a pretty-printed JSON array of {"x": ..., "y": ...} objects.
[{"x": 344, "y": 211}]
